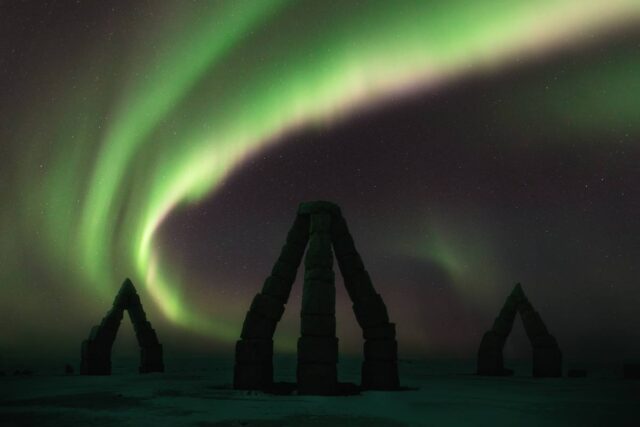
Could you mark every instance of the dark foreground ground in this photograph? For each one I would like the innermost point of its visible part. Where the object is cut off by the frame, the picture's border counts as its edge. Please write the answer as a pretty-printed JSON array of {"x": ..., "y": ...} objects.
[{"x": 199, "y": 394}]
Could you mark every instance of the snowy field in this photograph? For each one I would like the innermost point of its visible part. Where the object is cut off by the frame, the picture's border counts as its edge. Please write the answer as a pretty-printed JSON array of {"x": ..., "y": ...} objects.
[{"x": 198, "y": 393}]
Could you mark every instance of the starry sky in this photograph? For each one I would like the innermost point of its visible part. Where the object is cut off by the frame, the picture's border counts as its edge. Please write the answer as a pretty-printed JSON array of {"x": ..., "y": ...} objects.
[{"x": 471, "y": 145}]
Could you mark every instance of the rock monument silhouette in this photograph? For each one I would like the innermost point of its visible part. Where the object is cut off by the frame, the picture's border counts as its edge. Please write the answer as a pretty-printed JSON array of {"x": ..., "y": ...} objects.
[
  {"x": 547, "y": 358},
  {"x": 320, "y": 225},
  {"x": 96, "y": 350}
]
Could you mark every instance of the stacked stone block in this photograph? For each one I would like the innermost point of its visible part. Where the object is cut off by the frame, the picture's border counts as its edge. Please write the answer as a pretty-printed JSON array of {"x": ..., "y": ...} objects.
[
  {"x": 380, "y": 366},
  {"x": 490, "y": 359},
  {"x": 547, "y": 357},
  {"x": 253, "y": 368},
  {"x": 318, "y": 346},
  {"x": 96, "y": 350}
]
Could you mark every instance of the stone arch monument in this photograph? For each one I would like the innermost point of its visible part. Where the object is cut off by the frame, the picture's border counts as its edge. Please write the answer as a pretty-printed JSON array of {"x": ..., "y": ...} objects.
[
  {"x": 321, "y": 226},
  {"x": 547, "y": 358},
  {"x": 96, "y": 350}
]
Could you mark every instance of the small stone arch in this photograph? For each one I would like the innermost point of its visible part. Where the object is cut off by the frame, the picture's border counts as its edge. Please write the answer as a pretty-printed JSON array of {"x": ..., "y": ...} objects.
[
  {"x": 547, "y": 357},
  {"x": 320, "y": 226},
  {"x": 96, "y": 350}
]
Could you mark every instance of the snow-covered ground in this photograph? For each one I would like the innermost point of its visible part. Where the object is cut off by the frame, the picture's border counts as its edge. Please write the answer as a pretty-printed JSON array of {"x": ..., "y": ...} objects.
[{"x": 199, "y": 393}]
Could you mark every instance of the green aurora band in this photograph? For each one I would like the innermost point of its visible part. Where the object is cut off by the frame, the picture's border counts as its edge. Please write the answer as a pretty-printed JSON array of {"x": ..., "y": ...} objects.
[{"x": 196, "y": 96}]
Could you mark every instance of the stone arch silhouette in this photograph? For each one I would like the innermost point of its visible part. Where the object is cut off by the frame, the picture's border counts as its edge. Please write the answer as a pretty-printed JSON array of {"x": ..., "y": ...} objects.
[
  {"x": 96, "y": 350},
  {"x": 320, "y": 225},
  {"x": 547, "y": 358}
]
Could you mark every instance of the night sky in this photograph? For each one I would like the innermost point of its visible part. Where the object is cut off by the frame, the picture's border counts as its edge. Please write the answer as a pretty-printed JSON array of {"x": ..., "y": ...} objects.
[{"x": 471, "y": 145}]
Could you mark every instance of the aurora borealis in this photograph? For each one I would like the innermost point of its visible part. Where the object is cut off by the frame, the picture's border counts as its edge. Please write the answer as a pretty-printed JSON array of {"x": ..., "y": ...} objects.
[{"x": 470, "y": 144}]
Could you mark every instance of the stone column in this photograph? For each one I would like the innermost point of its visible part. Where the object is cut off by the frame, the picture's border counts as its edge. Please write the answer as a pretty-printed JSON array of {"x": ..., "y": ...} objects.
[
  {"x": 547, "y": 358},
  {"x": 151, "y": 357},
  {"x": 318, "y": 346},
  {"x": 96, "y": 350},
  {"x": 254, "y": 351},
  {"x": 380, "y": 368},
  {"x": 490, "y": 356}
]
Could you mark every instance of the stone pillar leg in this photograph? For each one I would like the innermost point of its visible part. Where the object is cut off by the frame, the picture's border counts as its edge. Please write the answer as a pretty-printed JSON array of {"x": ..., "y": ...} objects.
[
  {"x": 253, "y": 368},
  {"x": 490, "y": 358},
  {"x": 547, "y": 357},
  {"x": 318, "y": 346},
  {"x": 151, "y": 356},
  {"x": 380, "y": 367},
  {"x": 96, "y": 350}
]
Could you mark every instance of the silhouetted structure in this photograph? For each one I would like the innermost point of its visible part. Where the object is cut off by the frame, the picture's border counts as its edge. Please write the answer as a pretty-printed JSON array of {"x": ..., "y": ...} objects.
[
  {"x": 547, "y": 358},
  {"x": 96, "y": 350},
  {"x": 321, "y": 226}
]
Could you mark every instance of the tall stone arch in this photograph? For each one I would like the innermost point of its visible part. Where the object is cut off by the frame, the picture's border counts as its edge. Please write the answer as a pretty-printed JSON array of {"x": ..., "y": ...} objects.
[
  {"x": 547, "y": 357},
  {"x": 96, "y": 350},
  {"x": 320, "y": 226}
]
